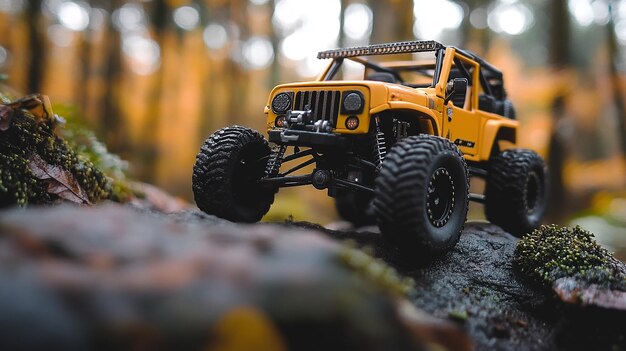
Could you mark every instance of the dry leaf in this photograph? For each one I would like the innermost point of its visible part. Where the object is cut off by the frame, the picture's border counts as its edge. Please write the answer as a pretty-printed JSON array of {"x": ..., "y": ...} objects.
[
  {"x": 38, "y": 105},
  {"x": 60, "y": 181},
  {"x": 573, "y": 291},
  {"x": 6, "y": 115}
]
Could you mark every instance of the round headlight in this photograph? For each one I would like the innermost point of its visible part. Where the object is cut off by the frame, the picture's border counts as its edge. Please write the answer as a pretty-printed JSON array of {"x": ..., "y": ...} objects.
[
  {"x": 353, "y": 102},
  {"x": 281, "y": 103},
  {"x": 352, "y": 122}
]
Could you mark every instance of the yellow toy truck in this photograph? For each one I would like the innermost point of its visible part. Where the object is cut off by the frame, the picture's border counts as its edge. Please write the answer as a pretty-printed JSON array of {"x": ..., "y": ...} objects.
[{"x": 395, "y": 147}]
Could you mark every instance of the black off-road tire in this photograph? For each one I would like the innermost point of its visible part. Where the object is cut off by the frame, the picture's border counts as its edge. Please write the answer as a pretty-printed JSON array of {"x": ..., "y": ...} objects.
[
  {"x": 517, "y": 191},
  {"x": 225, "y": 174},
  {"x": 421, "y": 196},
  {"x": 355, "y": 207}
]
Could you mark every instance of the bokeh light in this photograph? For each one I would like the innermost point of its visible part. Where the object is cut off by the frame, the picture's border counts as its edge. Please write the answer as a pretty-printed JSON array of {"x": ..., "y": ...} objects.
[
  {"x": 259, "y": 2},
  {"x": 434, "y": 16},
  {"x": 97, "y": 18},
  {"x": 60, "y": 35},
  {"x": 357, "y": 21},
  {"x": 74, "y": 15},
  {"x": 510, "y": 17},
  {"x": 186, "y": 17},
  {"x": 582, "y": 11},
  {"x": 129, "y": 18},
  {"x": 478, "y": 18},
  {"x": 257, "y": 52},
  {"x": 215, "y": 36},
  {"x": 143, "y": 53},
  {"x": 308, "y": 26}
]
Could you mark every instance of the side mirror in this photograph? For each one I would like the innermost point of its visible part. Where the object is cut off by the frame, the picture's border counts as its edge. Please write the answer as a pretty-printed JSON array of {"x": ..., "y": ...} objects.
[{"x": 457, "y": 86}]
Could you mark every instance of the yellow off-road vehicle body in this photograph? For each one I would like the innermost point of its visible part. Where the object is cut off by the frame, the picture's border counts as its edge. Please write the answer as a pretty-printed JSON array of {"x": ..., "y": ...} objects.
[
  {"x": 477, "y": 130},
  {"x": 394, "y": 143}
]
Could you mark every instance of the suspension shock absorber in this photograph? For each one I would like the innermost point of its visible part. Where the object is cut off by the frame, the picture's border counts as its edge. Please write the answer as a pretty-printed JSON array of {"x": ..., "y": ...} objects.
[
  {"x": 275, "y": 160},
  {"x": 380, "y": 148}
]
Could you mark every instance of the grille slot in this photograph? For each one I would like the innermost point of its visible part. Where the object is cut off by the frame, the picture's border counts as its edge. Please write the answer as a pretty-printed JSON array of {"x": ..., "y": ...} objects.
[{"x": 324, "y": 104}]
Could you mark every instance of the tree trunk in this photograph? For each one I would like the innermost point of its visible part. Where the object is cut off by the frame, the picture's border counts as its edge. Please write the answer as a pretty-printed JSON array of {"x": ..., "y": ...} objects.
[
  {"x": 392, "y": 21},
  {"x": 618, "y": 94},
  {"x": 560, "y": 33},
  {"x": 36, "y": 46},
  {"x": 82, "y": 88},
  {"x": 149, "y": 137},
  {"x": 559, "y": 46},
  {"x": 111, "y": 118},
  {"x": 238, "y": 96}
]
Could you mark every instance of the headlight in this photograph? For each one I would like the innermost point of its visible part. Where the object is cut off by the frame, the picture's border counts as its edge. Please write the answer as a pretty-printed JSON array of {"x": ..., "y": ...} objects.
[
  {"x": 353, "y": 102},
  {"x": 281, "y": 103},
  {"x": 352, "y": 122}
]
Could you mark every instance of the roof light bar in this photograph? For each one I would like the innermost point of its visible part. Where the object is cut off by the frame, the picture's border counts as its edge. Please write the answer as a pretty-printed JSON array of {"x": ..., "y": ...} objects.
[{"x": 382, "y": 49}]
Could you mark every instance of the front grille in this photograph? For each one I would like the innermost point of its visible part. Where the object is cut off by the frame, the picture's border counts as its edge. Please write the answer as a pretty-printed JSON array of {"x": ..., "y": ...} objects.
[{"x": 324, "y": 105}]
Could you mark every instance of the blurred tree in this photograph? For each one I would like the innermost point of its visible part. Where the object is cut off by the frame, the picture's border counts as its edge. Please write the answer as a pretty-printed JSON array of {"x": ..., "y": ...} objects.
[
  {"x": 469, "y": 33},
  {"x": 111, "y": 115},
  {"x": 393, "y": 20},
  {"x": 559, "y": 52},
  {"x": 160, "y": 12},
  {"x": 238, "y": 78},
  {"x": 560, "y": 33},
  {"x": 37, "y": 45},
  {"x": 618, "y": 94}
]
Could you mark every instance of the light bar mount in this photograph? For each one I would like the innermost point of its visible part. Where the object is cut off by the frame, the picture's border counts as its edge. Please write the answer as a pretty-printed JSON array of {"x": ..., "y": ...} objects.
[{"x": 383, "y": 49}]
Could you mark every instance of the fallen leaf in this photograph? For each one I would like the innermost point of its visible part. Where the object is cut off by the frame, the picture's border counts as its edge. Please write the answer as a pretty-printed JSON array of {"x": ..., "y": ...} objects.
[
  {"x": 6, "y": 115},
  {"x": 38, "y": 105},
  {"x": 573, "y": 291},
  {"x": 60, "y": 181}
]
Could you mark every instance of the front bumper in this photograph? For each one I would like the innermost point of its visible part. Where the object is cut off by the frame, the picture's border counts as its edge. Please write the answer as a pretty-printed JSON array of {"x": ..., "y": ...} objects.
[{"x": 306, "y": 138}]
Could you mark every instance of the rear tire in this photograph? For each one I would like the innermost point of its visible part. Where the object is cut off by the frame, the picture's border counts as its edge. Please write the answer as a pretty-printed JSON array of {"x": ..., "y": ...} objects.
[
  {"x": 421, "y": 196},
  {"x": 355, "y": 207},
  {"x": 225, "y": 175},
  {"x": 517, "y": 188}
]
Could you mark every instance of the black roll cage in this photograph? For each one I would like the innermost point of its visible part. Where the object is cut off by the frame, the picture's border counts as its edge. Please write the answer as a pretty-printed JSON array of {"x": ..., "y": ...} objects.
[{"x": 488, "y": 73}]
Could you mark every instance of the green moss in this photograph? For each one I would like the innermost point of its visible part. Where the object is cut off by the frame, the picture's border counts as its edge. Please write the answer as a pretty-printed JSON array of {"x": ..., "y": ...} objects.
[
  {"x": 27, "y": 135},
  {"x": 459, "y": 315},
  {"x": 553, "y": 252}
]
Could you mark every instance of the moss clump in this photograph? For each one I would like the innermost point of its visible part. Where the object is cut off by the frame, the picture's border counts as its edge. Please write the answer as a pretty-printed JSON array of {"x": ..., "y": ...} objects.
[
  {"x": 28, "y": 135},
  {"x": 553, "y": 252}
]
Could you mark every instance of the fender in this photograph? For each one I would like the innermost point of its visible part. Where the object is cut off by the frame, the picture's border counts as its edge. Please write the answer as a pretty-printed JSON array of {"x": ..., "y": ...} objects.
[
  {"x": 494, "y": 130},
  {"x": 424, "y": 112}
]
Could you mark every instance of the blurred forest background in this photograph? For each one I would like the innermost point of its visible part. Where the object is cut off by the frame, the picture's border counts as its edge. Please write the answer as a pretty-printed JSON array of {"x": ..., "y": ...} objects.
[{"x": 154, "y": 77}]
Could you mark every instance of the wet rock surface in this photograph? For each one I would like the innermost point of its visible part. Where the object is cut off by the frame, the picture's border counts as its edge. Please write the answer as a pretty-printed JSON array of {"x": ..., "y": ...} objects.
[
  {"x": 115, "y": 277},
  {"x": 118, "y": 277},
  {"x": 476, "y": 286}
]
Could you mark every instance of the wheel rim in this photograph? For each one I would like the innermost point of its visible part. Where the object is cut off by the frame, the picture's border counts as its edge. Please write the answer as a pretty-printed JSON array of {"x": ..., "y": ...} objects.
[
  {"x": 440, "y": 198},
  {"x": 532, "y": 192}
]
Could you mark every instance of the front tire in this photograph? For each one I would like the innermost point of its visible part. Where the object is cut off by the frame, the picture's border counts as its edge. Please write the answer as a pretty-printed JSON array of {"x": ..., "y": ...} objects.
[
  {"x": 516, "y": 193},
  {"x": 226, "y": 172},
  {"x": 421, "y": 196}
]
